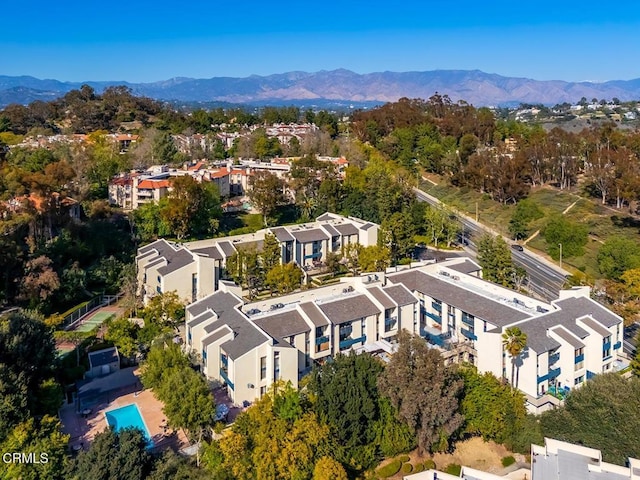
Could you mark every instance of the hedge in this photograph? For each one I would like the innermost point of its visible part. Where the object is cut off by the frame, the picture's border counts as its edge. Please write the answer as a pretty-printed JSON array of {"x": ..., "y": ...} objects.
[
  {"x": 390, "y": 469},
  {"x": 506, "y": 461}
]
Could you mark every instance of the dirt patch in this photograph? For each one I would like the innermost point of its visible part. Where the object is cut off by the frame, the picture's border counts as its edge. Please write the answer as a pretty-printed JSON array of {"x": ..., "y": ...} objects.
[{"x": 474, "y": 453}]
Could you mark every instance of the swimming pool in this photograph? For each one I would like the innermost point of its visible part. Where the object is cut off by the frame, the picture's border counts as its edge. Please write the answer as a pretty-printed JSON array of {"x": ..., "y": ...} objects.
[{"x": 128, "y": 416}]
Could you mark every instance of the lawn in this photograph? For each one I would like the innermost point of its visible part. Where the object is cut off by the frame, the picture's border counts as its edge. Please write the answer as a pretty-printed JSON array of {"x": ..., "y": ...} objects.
[{"x": 603, "y": 221}]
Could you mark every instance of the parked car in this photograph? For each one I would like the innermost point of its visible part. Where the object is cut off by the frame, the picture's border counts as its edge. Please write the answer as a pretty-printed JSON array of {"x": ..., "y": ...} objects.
[
  {"x": 517, "y": 247},
  {"x": 276, "y": 306},
  {"x": 253, "y": 311}
]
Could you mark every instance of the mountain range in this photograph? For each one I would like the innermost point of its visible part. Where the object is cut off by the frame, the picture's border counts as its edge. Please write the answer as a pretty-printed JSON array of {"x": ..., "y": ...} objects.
[{"x": 339, "y": 87}]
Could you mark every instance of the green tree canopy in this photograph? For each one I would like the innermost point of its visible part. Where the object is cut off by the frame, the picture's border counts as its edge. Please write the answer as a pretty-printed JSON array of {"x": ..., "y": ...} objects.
[
  {"x": 617, "y": 255},
  {"x": 114, "y": 456},
  {"x": 494, "y": 257},
  {"x": 526, "y": 211},
  {"x": 573, "y": 237},
  {"x": 601, "y": 414}
]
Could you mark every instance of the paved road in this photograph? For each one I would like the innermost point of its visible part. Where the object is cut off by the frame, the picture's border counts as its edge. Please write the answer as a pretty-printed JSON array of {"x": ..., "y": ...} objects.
[{"x": 543, "y": 278}]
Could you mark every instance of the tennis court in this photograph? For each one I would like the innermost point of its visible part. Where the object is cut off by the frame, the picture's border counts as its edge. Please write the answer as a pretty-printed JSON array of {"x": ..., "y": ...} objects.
[{"x": 94, "y": 321}]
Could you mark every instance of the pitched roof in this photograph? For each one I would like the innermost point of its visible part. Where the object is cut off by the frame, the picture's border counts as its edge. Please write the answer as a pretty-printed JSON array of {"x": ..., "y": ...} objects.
[
  {"x": 329, "y": 228},
  {"x": 212, "y": 252},
  {"x": 223, "y": 331},
  {"x": 154, "y": 184},
  {"x": 176, "y": 260},
  {"x": 346, "y": 229},
  {"x": 347, "y": 309},
  {"x": 400, "y": 294},
  {"x": 309, "y": 235},
  {"x": 283, "y": 324},
  {"x": 470, "y": 302},
  {"x": 227, "y": 248},
  {"x": 314, "y": 314},
  {"x": 569, "y": 310},
  {"x": 103, "y": 357},
  {"x": 383, "y": 299},
  {"x": 567, "y": 337},
  {"x": 595, "y": 326},
  {"x": 246, "y": 335},
  {"x": 282, "y": 234},
  {"x": 465, "y": 267}
]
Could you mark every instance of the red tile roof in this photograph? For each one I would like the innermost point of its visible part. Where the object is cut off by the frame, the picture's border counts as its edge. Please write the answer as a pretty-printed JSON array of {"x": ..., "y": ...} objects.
[{"x": 154, "y": 184}]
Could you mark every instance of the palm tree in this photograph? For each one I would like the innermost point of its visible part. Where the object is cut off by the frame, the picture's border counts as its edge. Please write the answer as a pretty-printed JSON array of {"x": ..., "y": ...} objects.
[{"x": 514, "y": 341}]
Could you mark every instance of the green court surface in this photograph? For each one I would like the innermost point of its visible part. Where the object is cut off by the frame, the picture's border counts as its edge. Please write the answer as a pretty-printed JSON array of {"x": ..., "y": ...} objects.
[{"x": 94, "y": 321}]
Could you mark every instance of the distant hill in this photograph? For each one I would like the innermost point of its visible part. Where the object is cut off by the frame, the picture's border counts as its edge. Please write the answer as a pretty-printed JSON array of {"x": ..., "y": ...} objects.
[{"x": 339, "y": 87}]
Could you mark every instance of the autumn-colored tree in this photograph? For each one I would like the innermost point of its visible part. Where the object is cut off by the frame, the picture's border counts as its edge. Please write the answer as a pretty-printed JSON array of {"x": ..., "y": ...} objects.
[
  {"x": 40, "y": 281},
  {"x": 328, "y": 469},
  {"x": 266, "y": 193},
  {"x": 424, "y": 392}
]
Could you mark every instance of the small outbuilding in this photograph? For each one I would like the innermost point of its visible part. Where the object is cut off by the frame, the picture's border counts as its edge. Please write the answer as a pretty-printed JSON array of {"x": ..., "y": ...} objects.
[{"x": 103, "y": 362}]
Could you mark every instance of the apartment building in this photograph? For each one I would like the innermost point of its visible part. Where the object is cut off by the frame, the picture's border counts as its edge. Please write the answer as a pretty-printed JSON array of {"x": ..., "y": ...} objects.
[
  {"x": 281, "y": 338},
  {"x": 568, "y": 340}
]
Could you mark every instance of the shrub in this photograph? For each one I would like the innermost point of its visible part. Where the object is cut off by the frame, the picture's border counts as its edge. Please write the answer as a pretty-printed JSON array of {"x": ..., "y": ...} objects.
[
  {"x": 390, "y": 469},
  {"x": 418, "y": 468},
  {"x": 429, "y": 464},
  {"x": 506, "y": 461},
  {"x": 407, "y": 468},
  {"x": 453, "y": 469},
  {"x": 403, "y": 458}
]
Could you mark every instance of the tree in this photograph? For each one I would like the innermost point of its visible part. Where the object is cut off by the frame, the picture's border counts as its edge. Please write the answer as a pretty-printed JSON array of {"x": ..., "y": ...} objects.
[
  {"x": 495, "y": 259},
  {"x": 270, "y": 255},
  {"x": 284, "y": 278},
  {"x": 441, "y": 226},
  {"x": 490, "y": 408},
  {"x": 526, "y": 211},
  {"x": 514, "y": 342},
  {"x": 266, "y": 193},
  {"x": 191, "y": 208},
  {"x": 589, "y": 412},
  {"x": 561, "y": 231},
  {"x": 39, "y": 283},
  {"x": 165, "y": 309},
  {"x": 124, "y": 335},
  {"x": 397, "y": 232},
  {"x": 42, "y": 437},
  {"x": 346, "y": 397},
  {"x": 328, "y": 469},
  {"x": 374, "y": 258},
  {"x": 423, "y": 390},
  {"x": 163, "y": 150},
  {"x": 617, "y": 255},
  {"x": 160, "y": 361},
  {"x": 114, "y": 455}
]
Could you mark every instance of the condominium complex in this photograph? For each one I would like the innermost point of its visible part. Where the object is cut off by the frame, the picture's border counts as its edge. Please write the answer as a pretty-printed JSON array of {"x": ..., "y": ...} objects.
[
  {"x": 193, "y": 269},
  {"x": 249, "y": 345}
]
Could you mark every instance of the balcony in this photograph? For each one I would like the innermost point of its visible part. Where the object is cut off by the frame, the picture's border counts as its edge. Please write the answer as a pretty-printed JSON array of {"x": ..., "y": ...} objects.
[
  {"x": 606, "y": 346},
  {"x": 579, "y": 358},
  {"x": 323, "y": 339},
  {"x": 323, "y": 347},
  {"x": 617, "y": 345},
  {"x": 436, "y": 306},
  {"x": 467, "y": 320},
  {"x": 224, "y": 360},
  {"x": 225, "y": 377},
  {"x": 346, "y": 343},
  {"x": 554, "y": 358},
  {"x": 590, "y": 375},
  {"x": 552, "y": 374},
  {"x": 390, "y": 323},
  {"x": 434, "y": 317},
  {"x": 468, "y": 334}
]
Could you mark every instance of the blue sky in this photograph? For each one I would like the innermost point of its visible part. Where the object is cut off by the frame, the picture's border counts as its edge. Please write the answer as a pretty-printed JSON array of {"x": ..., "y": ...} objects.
[{"x": 156, "y": 40}]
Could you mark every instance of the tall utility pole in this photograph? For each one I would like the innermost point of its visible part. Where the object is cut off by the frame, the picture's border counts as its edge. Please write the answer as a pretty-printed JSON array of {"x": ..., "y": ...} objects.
[{"x": 560, "y": 245}]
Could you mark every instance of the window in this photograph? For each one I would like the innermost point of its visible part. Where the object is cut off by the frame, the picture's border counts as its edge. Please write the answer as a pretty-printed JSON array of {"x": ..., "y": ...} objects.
[
  {"x": 292, "y": 340},
  {"x": 579, "y": 380},
  {"x": 276, "y": 366},
  {"x": 263, "y": 368},
  {"x": 263, "y": 390}
]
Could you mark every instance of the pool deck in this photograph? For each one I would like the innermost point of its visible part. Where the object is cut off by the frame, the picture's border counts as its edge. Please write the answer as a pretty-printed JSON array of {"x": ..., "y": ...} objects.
[{"x": 82, "y": 430}]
